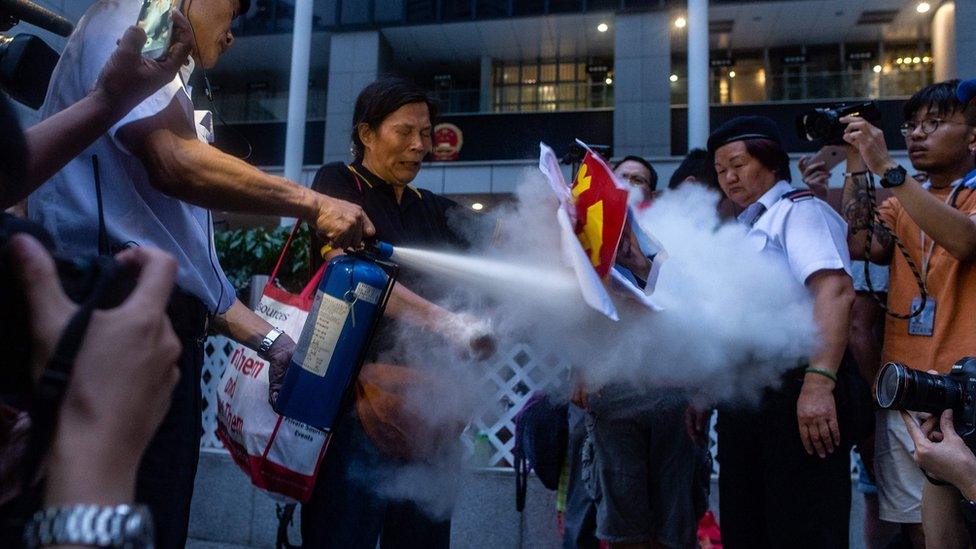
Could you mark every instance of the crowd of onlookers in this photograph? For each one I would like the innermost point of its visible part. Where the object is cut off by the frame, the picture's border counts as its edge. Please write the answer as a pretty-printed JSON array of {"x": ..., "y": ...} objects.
[
  {"x": 864, "y": 254},
  {"x": 99, "y": 431}
]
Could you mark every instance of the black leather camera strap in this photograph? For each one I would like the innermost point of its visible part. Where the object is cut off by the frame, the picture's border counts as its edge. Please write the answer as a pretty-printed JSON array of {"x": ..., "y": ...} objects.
[{"x": 49, "y": 392}]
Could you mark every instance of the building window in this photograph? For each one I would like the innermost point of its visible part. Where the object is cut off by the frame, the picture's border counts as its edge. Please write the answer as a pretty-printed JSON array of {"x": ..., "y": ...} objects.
[
  {"x": 854, "y": 71},
  {"x": 550, "y": 85}
]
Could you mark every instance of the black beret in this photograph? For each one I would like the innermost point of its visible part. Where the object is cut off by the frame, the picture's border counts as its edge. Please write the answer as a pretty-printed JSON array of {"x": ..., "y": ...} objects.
[{"x": 741, "y": 128}]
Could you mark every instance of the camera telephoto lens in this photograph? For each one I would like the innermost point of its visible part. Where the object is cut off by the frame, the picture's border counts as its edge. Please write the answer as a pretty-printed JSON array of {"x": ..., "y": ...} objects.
[
  {"x": 890, "y": 378},
  {"x": 902, "y": 388}
]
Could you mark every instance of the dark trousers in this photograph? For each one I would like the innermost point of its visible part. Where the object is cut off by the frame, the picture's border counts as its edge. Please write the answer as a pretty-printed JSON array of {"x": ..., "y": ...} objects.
[
  {"x": 771, "y": 493},
  {"x": 169, "y": 466},
  {"x": 579, "y": 519},
  {"x": 347, "y": 512}
]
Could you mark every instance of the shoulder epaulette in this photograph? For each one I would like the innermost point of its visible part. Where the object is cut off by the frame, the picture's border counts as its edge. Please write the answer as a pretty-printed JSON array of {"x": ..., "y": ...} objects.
[{"x": 799, "y": 195}]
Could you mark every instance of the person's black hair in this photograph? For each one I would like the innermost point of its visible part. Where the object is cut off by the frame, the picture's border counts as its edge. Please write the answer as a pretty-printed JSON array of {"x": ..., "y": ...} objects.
[
  {"x": 941, "y": 95},
  {"x": 381, "y": 99},
  {"x": 772, "y": 156},
  {"x": 768, "y": 152},
  {"x": 652, "y": 180},
  {"x": 694, "y": 165},
  {"x": 13, "y": 146}
]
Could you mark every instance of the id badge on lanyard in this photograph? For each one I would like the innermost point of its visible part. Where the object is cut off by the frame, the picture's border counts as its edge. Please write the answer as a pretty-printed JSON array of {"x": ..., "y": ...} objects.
[{"x": 923, "y": 324}]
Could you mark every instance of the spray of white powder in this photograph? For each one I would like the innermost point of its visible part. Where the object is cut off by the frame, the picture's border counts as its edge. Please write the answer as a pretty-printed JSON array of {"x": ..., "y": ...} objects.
[{"x": 733, "y": 319}]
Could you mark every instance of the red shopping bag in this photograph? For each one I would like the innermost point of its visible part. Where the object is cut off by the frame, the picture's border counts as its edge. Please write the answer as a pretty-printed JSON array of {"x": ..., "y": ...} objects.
[
  {"x": 709, "y": 535},
  {"x": 280, "y": 455}
]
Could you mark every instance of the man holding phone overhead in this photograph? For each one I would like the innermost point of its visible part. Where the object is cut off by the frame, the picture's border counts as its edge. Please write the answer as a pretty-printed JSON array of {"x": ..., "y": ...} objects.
[{"x": 157, "y": 176}]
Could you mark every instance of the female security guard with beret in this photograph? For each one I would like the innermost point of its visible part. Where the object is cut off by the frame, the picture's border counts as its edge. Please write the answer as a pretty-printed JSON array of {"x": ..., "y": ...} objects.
[{"x": 785, "y": 474}]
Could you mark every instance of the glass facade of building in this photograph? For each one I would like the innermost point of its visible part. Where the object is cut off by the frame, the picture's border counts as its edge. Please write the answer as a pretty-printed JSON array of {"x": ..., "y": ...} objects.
[{"x": 551, "y": 86}]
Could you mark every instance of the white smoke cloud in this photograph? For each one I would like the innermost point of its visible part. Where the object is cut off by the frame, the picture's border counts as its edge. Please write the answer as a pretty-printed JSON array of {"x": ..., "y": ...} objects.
[{"x": 734, "y": 319}]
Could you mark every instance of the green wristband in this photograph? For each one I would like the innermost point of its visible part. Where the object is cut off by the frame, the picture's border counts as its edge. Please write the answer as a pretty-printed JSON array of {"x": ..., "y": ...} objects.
[{"x": 821, "y": 372}]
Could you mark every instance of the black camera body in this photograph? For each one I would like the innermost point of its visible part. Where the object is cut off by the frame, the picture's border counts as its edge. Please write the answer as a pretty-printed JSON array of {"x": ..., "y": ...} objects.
[
  {"x": 901, "y": 388},
  {"x": 26, "y": 66},
  {"x": 81, "y": 277},
  {"x": 824, "y": 125},
  {"x": 26, "y": 61},
  {"x": 574, "y": 155}
]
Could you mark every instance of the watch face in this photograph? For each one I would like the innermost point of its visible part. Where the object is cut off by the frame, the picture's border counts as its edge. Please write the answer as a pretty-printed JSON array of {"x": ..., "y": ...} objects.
[
  {"x": 138, "y": 529},
  {"x": 895, "y": 176},
  {"x": 968, "y": 509}
]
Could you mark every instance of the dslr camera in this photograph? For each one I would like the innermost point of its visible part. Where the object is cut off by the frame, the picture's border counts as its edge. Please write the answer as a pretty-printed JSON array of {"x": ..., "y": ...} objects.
[
  {"x": 902, "y": 388},
  {"x": 575, "y": 153},
  {"x": 824, "y": 126},
  {"x": 99, "y": 279},
  {"x": 26, "y": 61}
]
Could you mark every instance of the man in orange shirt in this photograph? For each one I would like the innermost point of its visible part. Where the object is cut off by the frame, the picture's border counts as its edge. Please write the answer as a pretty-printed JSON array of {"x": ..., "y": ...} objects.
[{"x": 936, "y": 222}]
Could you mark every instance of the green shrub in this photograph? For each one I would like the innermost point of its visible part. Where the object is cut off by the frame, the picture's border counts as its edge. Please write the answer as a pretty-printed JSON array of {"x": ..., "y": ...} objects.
[{"x": 244, "y": 253}]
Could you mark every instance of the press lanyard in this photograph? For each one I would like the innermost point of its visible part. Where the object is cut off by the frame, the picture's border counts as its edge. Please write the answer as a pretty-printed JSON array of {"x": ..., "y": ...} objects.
[
  {"x": 951, "y": 202},
  {"x": 970, "y": 180}
]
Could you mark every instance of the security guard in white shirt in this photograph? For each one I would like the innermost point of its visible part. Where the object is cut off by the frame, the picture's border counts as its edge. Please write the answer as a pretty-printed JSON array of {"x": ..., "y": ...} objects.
[{"x": 785, "y": 473}]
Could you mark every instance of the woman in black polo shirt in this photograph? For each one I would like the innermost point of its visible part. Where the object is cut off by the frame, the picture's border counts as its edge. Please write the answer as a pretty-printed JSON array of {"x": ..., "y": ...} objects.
[{"x": 383, "y": 434}]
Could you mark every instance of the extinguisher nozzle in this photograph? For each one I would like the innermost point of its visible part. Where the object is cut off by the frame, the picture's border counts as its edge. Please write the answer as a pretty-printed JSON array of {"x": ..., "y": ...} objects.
[{"x": 383, "y": 249}]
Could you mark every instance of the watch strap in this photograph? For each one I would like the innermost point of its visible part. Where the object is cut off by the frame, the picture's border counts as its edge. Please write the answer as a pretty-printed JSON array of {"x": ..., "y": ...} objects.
[
  {"x": 268, "y": 341},
  {"x": 968, "y": 509},
  {"x": 123, "y": 526}
]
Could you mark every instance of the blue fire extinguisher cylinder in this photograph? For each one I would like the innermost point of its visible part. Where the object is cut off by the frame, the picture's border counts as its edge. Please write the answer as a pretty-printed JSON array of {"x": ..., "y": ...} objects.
[{"x": 348, "y": 303}]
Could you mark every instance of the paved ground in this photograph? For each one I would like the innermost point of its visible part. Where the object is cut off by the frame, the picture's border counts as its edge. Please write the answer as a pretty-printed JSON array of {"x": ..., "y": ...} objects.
[
  {"x": 198, "y": 544},
  {"x": 228, "y": 513}
]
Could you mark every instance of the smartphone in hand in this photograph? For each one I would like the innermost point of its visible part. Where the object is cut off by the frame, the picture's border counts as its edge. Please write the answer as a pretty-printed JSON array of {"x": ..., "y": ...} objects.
[
  {"x": 156, "y": 18},
  {"x": 831, "y": 156}
]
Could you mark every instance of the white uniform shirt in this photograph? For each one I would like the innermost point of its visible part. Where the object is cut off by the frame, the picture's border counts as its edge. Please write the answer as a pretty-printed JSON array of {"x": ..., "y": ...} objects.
[
  {"x": 135, "y": 212},
  {"x": 807, "y": 233}
]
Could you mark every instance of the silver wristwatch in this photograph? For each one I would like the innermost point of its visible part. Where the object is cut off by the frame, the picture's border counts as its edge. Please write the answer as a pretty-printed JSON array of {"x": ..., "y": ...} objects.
[
  {"x": 268, "y": 341},
  {"x": 122, "y": 526}
]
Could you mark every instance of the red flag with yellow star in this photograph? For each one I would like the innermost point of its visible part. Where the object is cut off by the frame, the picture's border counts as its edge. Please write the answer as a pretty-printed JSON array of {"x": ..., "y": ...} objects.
[{"x": 601, "y": 212}]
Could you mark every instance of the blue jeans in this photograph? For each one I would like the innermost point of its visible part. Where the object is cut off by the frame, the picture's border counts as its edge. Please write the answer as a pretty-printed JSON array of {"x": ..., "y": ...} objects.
[{"x": 346, "y": 510}]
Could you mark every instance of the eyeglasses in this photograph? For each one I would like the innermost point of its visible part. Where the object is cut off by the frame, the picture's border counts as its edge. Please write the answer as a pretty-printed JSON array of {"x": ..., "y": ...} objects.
[
  {"x": 635, "y": 180},
  {"x": 929, "y": 125}
]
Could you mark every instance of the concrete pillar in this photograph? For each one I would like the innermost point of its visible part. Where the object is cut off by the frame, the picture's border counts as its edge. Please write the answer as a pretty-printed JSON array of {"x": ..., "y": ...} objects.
[
  {"x": 642, "y": 92},
  {"x": 301, "y": 45},
  {"x": 944, "y": 42},
  {"x": 965, "y": 18},
  {"x": 698, "y": 123},
  {"x": 486, "y": 84},
  {"x": 355, "y": 60}
]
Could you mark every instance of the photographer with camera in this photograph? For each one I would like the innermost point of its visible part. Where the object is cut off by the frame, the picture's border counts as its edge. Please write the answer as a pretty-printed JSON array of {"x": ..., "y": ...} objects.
[
  {"x": 941, "y": 452},
  {"x": 125, "y": 81},
  {"x": 932, "y": 309},
  {"x": 110, "y": 408},
  {"x": 865, "y": 342},
  {"x": 149, "y": 182},
  {"x": 90, "y": 414}
]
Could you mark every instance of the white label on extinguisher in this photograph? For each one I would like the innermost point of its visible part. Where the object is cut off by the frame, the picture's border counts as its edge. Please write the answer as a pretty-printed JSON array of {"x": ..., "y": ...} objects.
[
  {"x": 329, "y": 321},
  {"x": 369, "y": 294}
]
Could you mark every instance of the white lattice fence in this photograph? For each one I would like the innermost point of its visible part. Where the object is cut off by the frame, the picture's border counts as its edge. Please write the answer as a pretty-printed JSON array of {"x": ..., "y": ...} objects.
[
  {"x": 216, "y": 352},
  {"x": 510, "y": 380}
]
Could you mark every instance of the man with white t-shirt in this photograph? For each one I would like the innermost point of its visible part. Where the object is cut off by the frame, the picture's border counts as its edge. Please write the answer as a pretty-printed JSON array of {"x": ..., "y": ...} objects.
[{"x": 158, "y": 177}]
